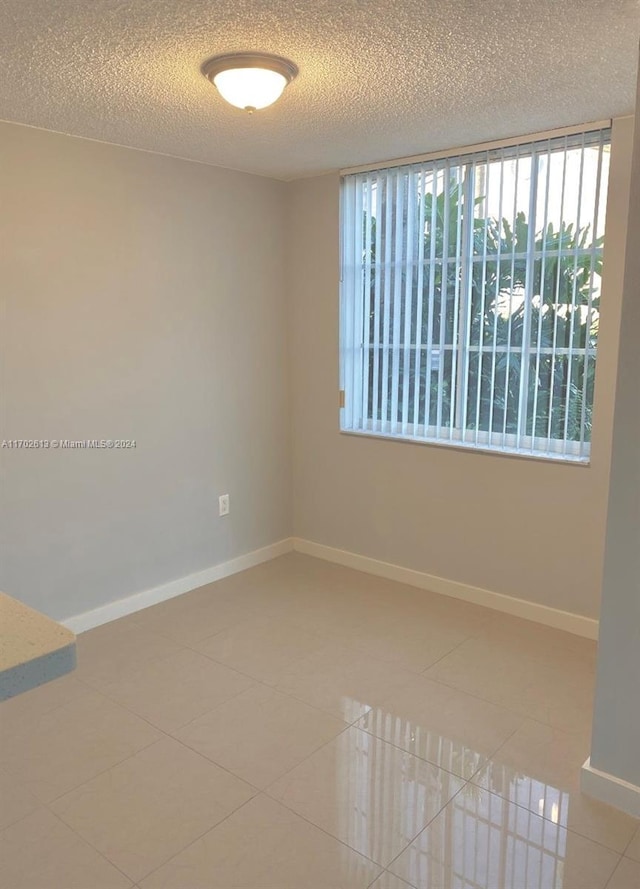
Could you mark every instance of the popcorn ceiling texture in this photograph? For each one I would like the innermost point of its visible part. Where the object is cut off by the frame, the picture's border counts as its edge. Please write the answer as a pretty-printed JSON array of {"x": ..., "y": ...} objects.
[{"x": 378, "y": 78}]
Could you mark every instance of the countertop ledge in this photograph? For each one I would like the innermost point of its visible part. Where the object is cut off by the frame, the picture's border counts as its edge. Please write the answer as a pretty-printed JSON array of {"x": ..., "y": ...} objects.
[{"x": 34, "y": 649}]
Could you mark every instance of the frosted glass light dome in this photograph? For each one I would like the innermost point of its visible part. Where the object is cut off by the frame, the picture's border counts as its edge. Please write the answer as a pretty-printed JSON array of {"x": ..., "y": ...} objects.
[
  {"x": 250, "y": 80},
  {"x": 250, "y": 88}
]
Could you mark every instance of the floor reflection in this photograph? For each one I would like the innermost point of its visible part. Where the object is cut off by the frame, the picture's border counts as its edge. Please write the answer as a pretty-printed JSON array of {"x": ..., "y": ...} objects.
[
  {"x": 509, "y": 833},
  {"x": 383, "y": 795},
  {"x": 546, "y": 800},
  {"x": 448, "y": 753},
  {"x": 481, "y": 840}
]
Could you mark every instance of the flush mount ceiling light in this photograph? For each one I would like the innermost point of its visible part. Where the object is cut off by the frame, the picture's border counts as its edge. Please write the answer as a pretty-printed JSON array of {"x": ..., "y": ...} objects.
[{"x": 250, "y": 80}]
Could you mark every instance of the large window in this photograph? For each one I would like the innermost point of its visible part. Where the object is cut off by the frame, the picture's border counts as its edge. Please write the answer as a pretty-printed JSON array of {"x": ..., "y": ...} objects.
[{"x": 470, "y": 299}]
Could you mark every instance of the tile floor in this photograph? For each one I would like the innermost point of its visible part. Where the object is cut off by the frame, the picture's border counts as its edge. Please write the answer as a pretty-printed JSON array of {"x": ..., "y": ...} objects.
[{"x": 304, "y": 726}]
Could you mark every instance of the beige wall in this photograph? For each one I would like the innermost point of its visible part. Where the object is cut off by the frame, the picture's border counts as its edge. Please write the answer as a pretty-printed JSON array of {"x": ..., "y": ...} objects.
[
  {"x": 142, "y": 298},
  {"x": 616, "y": 725},
  {"x": 524, "y": 528}
]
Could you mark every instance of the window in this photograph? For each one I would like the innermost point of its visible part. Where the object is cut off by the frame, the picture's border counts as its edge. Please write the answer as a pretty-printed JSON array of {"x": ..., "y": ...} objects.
[{"x": 470, "y": 298}]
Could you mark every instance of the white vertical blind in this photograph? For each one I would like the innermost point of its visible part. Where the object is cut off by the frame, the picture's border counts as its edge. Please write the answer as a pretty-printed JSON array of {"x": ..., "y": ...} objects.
[
  {"x": 401, "y": 243},
  {"x": 484, "y": 184},
  {"x": 368, "y": 307},
  {"x": 470, "y": 296},
  {"x": 419, "y": 358},
  {"x": 543, "y": 258}
]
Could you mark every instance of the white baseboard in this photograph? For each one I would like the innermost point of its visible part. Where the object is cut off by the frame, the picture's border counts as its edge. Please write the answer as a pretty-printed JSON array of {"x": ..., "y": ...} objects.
[
  {"x": 136, "y": 602},
  {"x": 543, "y": 614},
  {"x": 552, "y": 617},
  {"x": 609, "y": 789}
]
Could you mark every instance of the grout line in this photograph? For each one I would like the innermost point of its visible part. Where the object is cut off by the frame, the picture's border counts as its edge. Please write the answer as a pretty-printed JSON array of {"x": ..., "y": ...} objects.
[
  {"x": 170, "y": 737},
  {"x": 237, "y": 809},
  {"x": 166, "y": 736},
  {"x": 569, "y": 830},
  {"x": 417, "y": 755},
  {"x": 399, "y": 879},
  {"x": 499, "y": 747},
  {"x": 393, "y": 876},
  {"x": 380, "y": 740},
  {"x": 420, "y": 832},
  {"x": 99, "y": 774},
  {"x": 633, "y": 836},
  {"x": 199, "y": 837},
  {"x": 380, "y": 661},
  {"x": 323, "y": 830},
  {"x": 213, "y": 762},
  {"x": 265, "y": 790},
  {"x": 442, "y": 657},
  {"x": 471, "y": 694},
  {"x": 608, "y": 883},
  {"x": 50, "y": 802},
  {"x": 271, "y": 688},
  {"x": 507, "y": 799},
  {"x": 128, "y": 709},
  {"x": 478, "y": 697},
  {"x": 92, "y": 846}
]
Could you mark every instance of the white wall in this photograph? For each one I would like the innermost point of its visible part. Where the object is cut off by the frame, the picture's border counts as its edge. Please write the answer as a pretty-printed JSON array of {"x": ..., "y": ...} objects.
[
  {"x": 142, "y": 298},
  {"x": 616, "y": 726},
  {"x": 523, "y": 528}
]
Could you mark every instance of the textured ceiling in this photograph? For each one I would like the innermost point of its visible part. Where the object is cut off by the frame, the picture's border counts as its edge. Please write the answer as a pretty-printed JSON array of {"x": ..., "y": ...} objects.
[{"x": 378, "y": 78}]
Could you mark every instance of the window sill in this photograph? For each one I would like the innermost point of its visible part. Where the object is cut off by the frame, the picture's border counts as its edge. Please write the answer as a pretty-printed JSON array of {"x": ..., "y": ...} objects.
[{"x": 464, "y": 447}]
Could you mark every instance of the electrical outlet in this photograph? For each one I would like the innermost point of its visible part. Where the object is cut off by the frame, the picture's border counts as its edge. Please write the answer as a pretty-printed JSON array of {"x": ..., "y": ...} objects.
[{"x": 223, "y": 504}]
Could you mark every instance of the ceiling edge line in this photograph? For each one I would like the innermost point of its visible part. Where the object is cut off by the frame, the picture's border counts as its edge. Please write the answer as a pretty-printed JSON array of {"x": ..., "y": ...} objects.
[{"x": 177, "y": 157}]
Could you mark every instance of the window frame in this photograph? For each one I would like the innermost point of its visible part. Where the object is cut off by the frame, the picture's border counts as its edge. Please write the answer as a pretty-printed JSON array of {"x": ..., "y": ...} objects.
[{"x": 545, "y": 448}]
